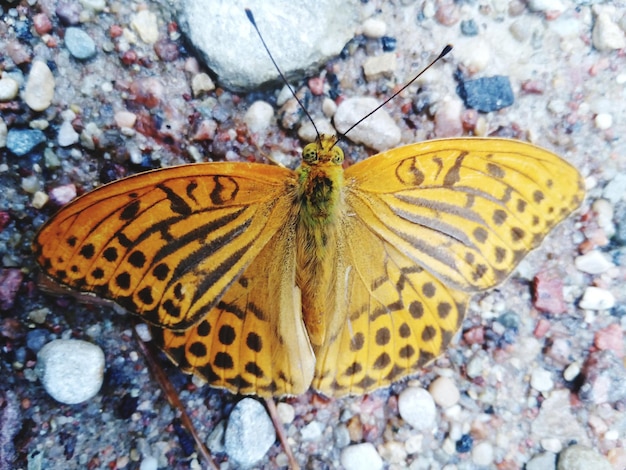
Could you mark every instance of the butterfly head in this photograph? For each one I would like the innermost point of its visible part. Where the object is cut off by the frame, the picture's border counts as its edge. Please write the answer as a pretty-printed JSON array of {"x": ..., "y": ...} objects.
[{"x": 323, "y": 151}]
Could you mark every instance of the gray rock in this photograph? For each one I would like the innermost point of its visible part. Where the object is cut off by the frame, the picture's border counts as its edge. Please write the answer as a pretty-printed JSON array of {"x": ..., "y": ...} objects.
[
  {"x": 579, "y": 457},
  {"x": 249, "y": 433},
  {"x": 79, "y": 43},
  {"x": 71, "y": 370},
  {"x": 301, "y": 35},
  {"x": 22, "y": 141}
]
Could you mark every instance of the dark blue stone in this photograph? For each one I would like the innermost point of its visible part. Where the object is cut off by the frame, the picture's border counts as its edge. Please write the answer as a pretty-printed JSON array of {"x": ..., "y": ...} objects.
[
  {"x": 464, "y": 444},
  {"x": 486, "y": 94},
  {"x": 389, "y": 43},
  {"x": 22, "y": 141}
]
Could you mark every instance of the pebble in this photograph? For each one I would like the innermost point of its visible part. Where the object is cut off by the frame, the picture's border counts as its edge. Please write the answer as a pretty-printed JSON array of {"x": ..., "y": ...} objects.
[
  {"x": 10, "y": 282},
  {"x": 615, "y": 190},
  {"x": 259, "y": 116},
  {"x": 548, "y": 293},
  {"x": 42, "y": 23},
  {"x": 244, "y": 64},
  {"x": 556, "y": 420},
  {"x": 361, "y": 457},
  {"x": 249, "y": 433},
  {"x": 8, "y": 89},
  {"x": 596, "y": 298},
  {"x": 541, "y": 380},
  {"x": 201, "y": 83},
  {"x": 603, "y": 374},
  {"x": 286, "y": 412},
  {"x": 469, "y": 28},
  {"x": 604, "y": 213},
  {"x": 552, "y": 445},
  {"x": 448, "y": 121},
  {"x": 476, "y": 56},
  {"x": 149, "y": 463},
  {"x": 610, "y": 338},
  {"x": 486, "y": 94},
  {"x": 71, "y": 370},
  {"x": 571, "y": 371},
  {"x": 603, "y": 121},
  {"x": 543, "y": 461},
  {"x": 444, "y": 391},
  {"x": 312, "y": 431},
  {"x": 63, "y": 194},
  {"x": 593, "y": 262},
  {"x": 378, "y": 131},
  {"x": 607, "y": 35},
  {"x": 307, "y": 132},
  {"x": 23, "y": 141},
  {"x": 79, "y": 44},
  {"x": 483, "y": 454},
  {"x": 125, "y": 119},
  {"x": 67, "y": 135},
  {"x": 579, "y": 457},
  {"x": 145, "y": 24},
  {"x": 215, "y": 440},
  {"x": 417, "y": 407},
  {"x": 546, "y": 5},
  {"x": 374, "y": 28},
  {"x": 39, "y": 89},
  {"x": 383, "y": 65},
  {"x": 4, "y": 131}
]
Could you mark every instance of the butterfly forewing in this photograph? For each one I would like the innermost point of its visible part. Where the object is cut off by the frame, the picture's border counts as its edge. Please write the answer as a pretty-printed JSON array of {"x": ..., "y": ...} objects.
[
  {"x": 467, "y": 210},
  {"x": 167, "y": 244}
]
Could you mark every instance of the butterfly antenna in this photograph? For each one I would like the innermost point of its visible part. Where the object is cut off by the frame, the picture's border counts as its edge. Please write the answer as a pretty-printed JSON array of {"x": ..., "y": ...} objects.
[
  {"x": 443, "y": 53},
  {"x": 282, "y": 75}
]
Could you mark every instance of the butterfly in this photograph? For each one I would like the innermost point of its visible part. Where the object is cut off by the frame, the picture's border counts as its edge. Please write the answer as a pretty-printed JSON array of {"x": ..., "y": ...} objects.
[{"x": 269, "y": 281}]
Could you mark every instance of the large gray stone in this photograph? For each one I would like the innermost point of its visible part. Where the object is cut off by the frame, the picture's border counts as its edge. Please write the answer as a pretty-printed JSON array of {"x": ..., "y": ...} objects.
[{"x": 301, "y": 34}]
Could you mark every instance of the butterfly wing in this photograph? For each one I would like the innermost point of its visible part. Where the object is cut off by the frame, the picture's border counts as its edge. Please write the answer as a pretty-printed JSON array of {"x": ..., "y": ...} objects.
[
  {"x": 425, "y": 226},
  {"x": 171, "y": 246}
]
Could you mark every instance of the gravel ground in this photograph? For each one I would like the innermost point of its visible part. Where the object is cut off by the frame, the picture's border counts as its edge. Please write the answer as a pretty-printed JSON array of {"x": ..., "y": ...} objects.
[{"x": 523, "y": 381}]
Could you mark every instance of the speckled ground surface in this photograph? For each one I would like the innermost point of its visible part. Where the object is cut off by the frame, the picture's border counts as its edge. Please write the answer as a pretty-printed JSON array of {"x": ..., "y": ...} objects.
[{"x": 569, "y": 98}]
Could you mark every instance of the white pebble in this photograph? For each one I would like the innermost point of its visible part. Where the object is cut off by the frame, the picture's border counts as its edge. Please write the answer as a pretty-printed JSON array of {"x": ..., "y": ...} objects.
[
  {"x": 149, "y": 463},
  {"x": 378, "y": 131},
  {"x": 144, "y": 23},
  {"x": 361, "y": 457},
  {"x": 571, "y": 371},
  {"x": 541, "y": 380},
  {"x": 593, "y": 262},
  {"x": 604, "y": 214},
  {"x": 312, "y": 431},
  {"x": 329, "y": 107},
  {"x": 67, "y": 135},
  {"x": 603, "y": 121},
  {"x": 546, "y": 5},
  {"x": 374, "y": 28},
  {"x": 259, "y": 116},
  {"x": 201, "y": 83},
  {"x": 95, "y": 5},
  {"x": 8, "y": 89},
  {"x": 482, "y": 454},
  {"x": 125, "y": 119},
  {"x": 249, "y": 433},
  {"x": 39, "y": 199},
  {"x": 444, "y": 391},
  {"x": 543, "y": 461},
  {"x": 607, "y": 35},
  {"x": 286, "y": 412},
  {"x": 307, "y": 132},
  {"x": 596, "y": 298},
  {"x": 382, "y": 65},
  {"x": 4, "y": 131},
  {"x": 71, "y": 370},
  {"x": 615, "y": 190},
  {"x": 39, "y": 89},
  {"x": 552, "y": 445},
  {"x": 476, "y": 55},
  {"x": 417, "y": 408}
]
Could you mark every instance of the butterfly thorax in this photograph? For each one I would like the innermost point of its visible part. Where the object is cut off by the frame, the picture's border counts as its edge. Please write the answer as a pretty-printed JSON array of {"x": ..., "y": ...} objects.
[{"x": 320, "y": 182}]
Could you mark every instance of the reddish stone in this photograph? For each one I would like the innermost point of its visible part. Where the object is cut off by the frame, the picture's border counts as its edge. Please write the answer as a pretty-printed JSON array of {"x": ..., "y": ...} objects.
[
  {"x": 129, "y": 57},
  {"x": 166, "y": 50},
  {"x": 316, "y": 85},
  {"x": 535, "y": 87},
  {"x": 147, "y": 92},
  {"x": 475, "y": 335},
  {"x": 610, "y": 338},
  {"x": 10, "y": 282},
  {"x": 541, "y": 328},
  {"x": 115, "y": 31},
  {"x": 448, "y": 14},
  {"x": 469, "y": 118},
  {"x": 548, "y": 293},
  {"x": 5, "y": 218},
  {"x": 42, "y": 23}
]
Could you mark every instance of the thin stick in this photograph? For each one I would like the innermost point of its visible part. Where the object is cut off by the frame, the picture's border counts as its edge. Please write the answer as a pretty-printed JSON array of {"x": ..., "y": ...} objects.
[
  {"x": 280, "y": 431},
  {"x": 174, "y": 400}
]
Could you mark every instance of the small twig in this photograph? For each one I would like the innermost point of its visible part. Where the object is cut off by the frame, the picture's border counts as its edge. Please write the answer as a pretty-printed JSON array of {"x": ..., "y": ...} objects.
[
  {"x": 280, "y": 431},
  {"x": 174, "y": 400}
]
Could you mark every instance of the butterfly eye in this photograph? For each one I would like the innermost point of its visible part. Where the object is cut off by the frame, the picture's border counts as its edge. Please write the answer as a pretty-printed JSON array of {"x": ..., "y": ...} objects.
[
  {"x": 337, "y": 156},
  {"x": 309, "y": 154}
]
